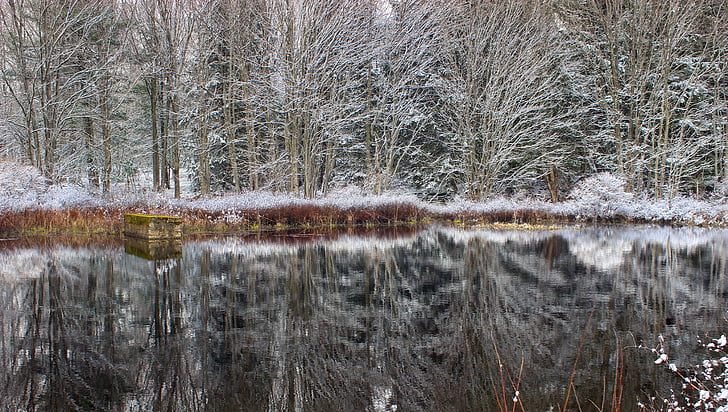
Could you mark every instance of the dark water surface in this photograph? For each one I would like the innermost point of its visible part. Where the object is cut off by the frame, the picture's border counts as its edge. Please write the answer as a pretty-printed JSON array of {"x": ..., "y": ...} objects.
[{"x": 405, "y": 321}]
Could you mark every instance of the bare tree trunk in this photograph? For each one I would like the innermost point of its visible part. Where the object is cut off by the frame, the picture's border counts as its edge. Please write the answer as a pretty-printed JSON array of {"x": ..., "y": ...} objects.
[
  {"x": 153, "y": 93},
  {"x": 164, "y": 141},
  {"x": 253, "y": 164},
  {"x": 552, "y": 181},
  {"x": 204, "y": 159},
  {"x": 231, "y": 136},
  {"x": 91, "y": 170},
  {"x": 103, "y": 82},
  {"x": 174, "y": 131},
  {"x": 106, "y": 138},
  {"x": 328, "y": 167}
]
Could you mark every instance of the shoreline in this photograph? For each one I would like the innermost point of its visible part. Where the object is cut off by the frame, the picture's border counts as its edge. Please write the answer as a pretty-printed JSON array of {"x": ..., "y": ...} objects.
[{"x": 108, "y": 221}]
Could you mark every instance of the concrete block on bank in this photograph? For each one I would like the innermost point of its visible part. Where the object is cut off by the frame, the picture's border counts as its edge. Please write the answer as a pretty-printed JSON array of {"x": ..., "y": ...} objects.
[{"x": 152, "y": 227}]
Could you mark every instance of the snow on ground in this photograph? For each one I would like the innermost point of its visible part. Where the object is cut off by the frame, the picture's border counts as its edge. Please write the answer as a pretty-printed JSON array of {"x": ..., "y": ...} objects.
[
  {"x": 599, "y": 197},
  {"x": 23, "y": 187}
]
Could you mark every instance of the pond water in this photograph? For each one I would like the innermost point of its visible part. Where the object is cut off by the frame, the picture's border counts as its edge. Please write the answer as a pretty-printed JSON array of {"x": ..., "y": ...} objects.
[{"x": 433, "y": 319}]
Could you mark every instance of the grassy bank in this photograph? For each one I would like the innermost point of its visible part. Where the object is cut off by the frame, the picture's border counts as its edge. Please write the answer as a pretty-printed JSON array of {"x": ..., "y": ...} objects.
[{"x": 108, "y": 221}]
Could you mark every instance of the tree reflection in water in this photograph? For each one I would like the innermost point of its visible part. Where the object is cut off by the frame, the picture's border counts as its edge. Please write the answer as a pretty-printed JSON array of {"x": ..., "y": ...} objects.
[{"x": 421, "y": 321}]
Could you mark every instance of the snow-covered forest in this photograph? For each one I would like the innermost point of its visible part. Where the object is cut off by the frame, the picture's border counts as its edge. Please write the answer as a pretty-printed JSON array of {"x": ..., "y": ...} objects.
[{"x": 476, "y": 98}]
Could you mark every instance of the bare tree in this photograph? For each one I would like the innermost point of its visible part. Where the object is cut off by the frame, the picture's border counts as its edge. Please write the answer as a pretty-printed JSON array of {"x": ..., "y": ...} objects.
[
  {"x": 503, "y": 93},
  {"x": 166, "y": 29},
  {"x": 716, "y": 110},
  {"x": 99, "y": 66},
  {"x": 38, "y": 73},
  {"x": 60, "y": 64},
  {"x": 231, "y": 52},
  {"x": 19, "y": 65},
  {"x": 317, "y": 51}
]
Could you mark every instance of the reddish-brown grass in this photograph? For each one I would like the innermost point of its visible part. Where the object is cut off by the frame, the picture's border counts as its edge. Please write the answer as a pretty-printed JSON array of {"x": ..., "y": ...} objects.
[
  {"x": 44, "y": 222},
  {"x": 109, "y": 221}
]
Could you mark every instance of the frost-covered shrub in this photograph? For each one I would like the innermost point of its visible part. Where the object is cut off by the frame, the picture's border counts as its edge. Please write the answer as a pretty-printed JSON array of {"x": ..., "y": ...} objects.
[
  {"x": 602, "y": 195},
  {"x": 59, "y": 197},
  {"x": 20, "y": 187},
  {"x": 23, "y": 187},
  {"x": 17, "y": 180},
  {"x": 245, "y": 201},
  {"x": 346, "y": 193},
  {"x": 140, "y": 200},
  {"x": 720, "y": 190}
]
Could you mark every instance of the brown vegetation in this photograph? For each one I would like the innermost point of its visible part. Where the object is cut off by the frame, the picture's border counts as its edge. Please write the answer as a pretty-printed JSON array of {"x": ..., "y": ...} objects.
[
  {"x": 109, "y": 221},
  {"x": 50, "y": 222}
]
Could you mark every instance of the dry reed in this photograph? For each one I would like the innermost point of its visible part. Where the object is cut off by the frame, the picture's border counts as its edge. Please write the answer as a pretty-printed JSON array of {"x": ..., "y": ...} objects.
[{"x": 108, "y": 221}]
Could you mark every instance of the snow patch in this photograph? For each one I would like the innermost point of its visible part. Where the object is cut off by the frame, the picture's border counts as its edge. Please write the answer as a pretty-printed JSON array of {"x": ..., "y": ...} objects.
[{"x": 23, "y": 188}]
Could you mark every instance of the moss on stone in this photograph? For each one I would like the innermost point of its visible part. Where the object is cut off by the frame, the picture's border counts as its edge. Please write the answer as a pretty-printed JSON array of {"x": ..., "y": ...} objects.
[{"x": 146, "y": 220}]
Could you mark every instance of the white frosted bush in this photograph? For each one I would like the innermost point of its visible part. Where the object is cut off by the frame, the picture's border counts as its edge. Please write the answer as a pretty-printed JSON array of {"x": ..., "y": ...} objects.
[
  {"x": 59, "y": 197},
  {"x": 602, "y": 195},
  {"x": 17, "y": 180},
  {"x": 23, "y": 187},
  {"x": 720, "y": 190}
]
